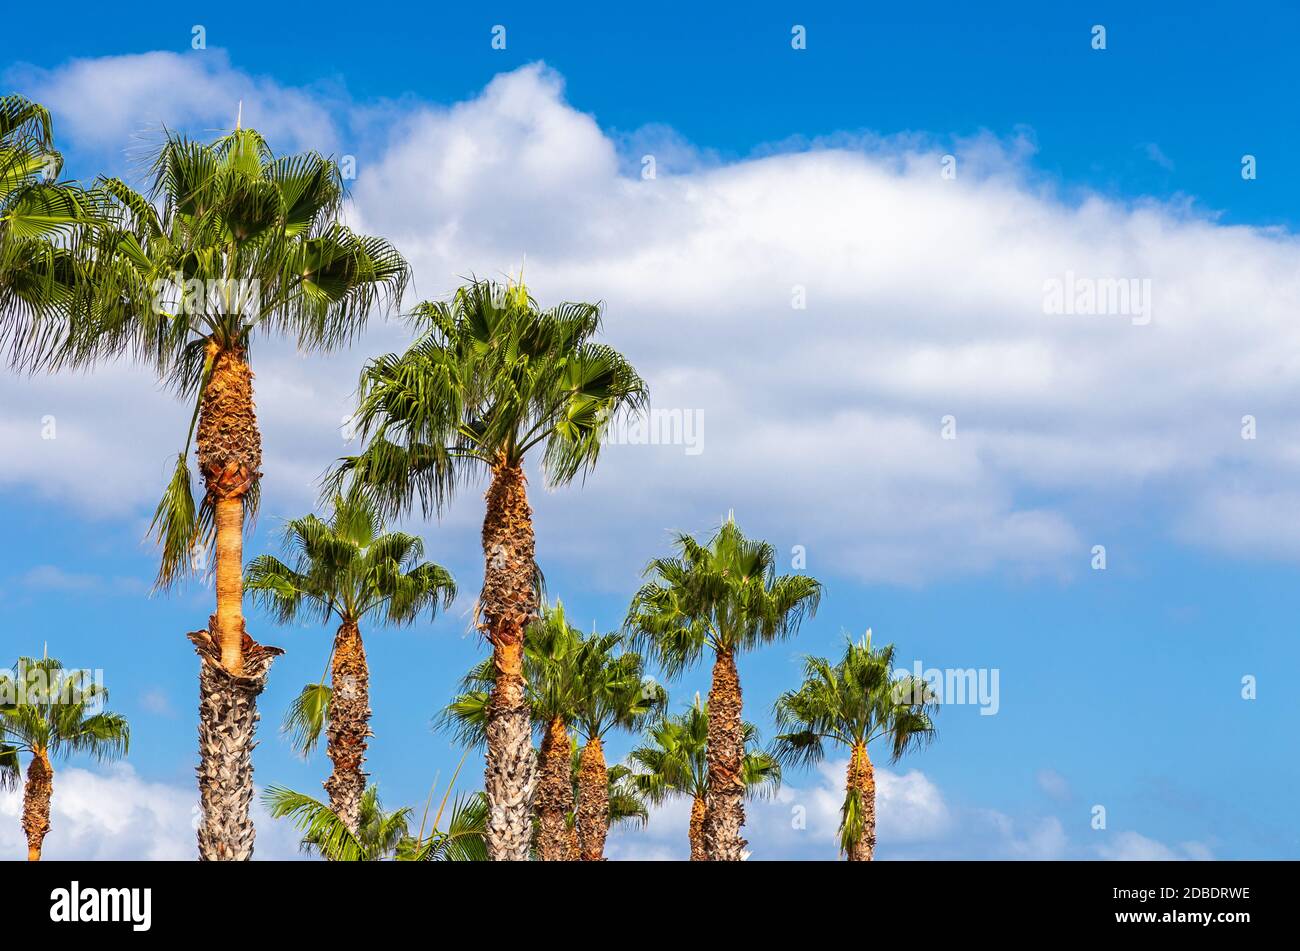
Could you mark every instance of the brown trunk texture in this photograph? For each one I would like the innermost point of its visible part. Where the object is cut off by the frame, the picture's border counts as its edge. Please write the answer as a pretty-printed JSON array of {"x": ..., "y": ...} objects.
[
  {"x": 349, "y": 725},
  {"x": 698, "y": 852},
  {"x": 555, "y": 793},
  {"x": 227, "y": 721},
  {"x": 507, "y": 604},
  {"x": 593, "y": 802},
  {"x": 862, "y": 779},
  {"x": 36, "y": 803},
  {"x": 230, "y": 460},
  {"x": 725, "y": 814}
]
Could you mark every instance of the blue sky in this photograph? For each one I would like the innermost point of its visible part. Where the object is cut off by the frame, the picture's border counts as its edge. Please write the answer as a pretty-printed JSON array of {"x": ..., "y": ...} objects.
[{"x": 1119, "y": 688}]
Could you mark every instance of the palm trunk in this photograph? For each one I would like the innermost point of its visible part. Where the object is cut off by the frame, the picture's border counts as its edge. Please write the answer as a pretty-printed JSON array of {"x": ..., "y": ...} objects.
[
  {"x": 36, "y": 803},
  {"x": 349, "y": 725},
  {"x": 862, "y": 786},
  {"x": 555, "y": 793},
  {"x": 227, "y": 721},
  {"x": 232, "y": 666},
  {"x": 230, "y": 459},
  {"x": 593, "y": 802},
  {"x": 698, "y": 852},
  {"x": 725, "y": 805},
  {"x": 507, "y": 604}
]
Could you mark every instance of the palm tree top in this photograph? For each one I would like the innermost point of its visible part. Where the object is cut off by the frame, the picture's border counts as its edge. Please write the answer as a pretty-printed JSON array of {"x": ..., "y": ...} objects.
[
  {"x": 853, "y": 703},
  {"x": 43, "y": 226},
  {"x": 228, "y": 239},
  {"x": 568, "y": 674},
  {"x": 349, "y": 567},
  {"x": 47, "y": 709},
  {"x": 725, "y": 595},
  {"x": 614, "y": 691},
  {"x": 490, "y": 376},
  {"x": 675, "y": 760}
]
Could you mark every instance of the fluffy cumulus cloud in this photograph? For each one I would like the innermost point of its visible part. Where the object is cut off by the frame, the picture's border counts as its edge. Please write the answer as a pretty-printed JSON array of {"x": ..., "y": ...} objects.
[
  {"x": 114, "y": 813},
  {"x": 823, "y": 314},
  {"x": 914, "y": 821}
]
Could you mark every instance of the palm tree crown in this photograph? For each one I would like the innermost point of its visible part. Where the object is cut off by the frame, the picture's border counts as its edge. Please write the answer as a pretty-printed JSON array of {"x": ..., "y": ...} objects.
[
  {"x": 725, "y": 596},
  {"x": 42, "y": 224},
  {"x": 47, "y": 709},
  {"x": 852, "y": 703},
  {"x": 490, "y": 377},
  {"x": 674, "y": 762},
  {"x": 349, "y": 568}
]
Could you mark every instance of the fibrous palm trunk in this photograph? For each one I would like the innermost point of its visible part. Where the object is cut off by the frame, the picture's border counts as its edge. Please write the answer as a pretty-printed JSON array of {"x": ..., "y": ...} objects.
[
  {"x": 725, "y": 813},
  {"x": 698, "y": 809},
  {"x": 862, "y": 786},
  {"x": 233, "y": 667},
  {"x": 507, "y": 604},
  {"x": 227, "y": 722},
  {"x": 36, "y": 803},
  {"x": 593, "y": 802},
  {"x": 555, "y": 793},
  {"x": 349, "y": 725}
]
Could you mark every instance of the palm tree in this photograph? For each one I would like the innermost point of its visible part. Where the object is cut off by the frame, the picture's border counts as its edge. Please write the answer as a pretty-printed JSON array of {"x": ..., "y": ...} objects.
[
  {"x": 491, "y": 377},
  {"x": 229, "y": 241},
  {"x": 48, "y": 712},
  {"x": 381, "y": 835},
  {"x": 853, "y": 703},
  {"x": 725, "y": 597},
  {"x": 349, "y": 569},
  {"x": 675, "y": 763},
  {"x": 614, "y": 694},
  {"x": 42, "y": 224},
  {"x": 551, "y": 651}
]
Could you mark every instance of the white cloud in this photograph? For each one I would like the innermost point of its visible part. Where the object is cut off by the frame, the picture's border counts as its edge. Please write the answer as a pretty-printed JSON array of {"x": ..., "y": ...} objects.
[
  {"x": 113, "y": 813},
  {"x": 1134, "y": 847},
  {"x": 925, "y": 299},
  {"x": 101, "y": 103},
  {"x": 1054, "y": 784}
]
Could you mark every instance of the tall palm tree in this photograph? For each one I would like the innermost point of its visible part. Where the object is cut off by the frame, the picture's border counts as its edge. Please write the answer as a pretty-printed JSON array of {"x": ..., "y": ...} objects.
[
  {"x": 551, "y": 653},
  {"x": 48, "y": 712},
  {"x": 229, "y": 242},
  {"x": 43, "y": 222},
  {"x": 724, "y": 597},
  {"x": 615, "y": 693},
  {"x": 490, "y": 377},
  {"x": 348, "y": 569},
  {"x": 853, "y": 703},
  {"x": 675, "y": 763},
  {"x": 382, "y": 835}
]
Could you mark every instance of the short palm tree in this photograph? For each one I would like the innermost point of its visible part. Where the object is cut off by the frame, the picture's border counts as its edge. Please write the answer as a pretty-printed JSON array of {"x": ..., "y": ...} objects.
[
  {"x": 675, "y": 763},
  {"x": 43, "y": 223},
  {"x": 47, "y": 712},
  {"x": 724, "y": 597},
  {"x": 852, "y": 703},
  {"x": 614, "y": 694},
  {"x": 382, "y": 835},
  {"x": 347, "y": 569},
  {"x": 551, "y": 651},
  {"x": 230, "y": 243},
  {"x": 491, "y": 377}
]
